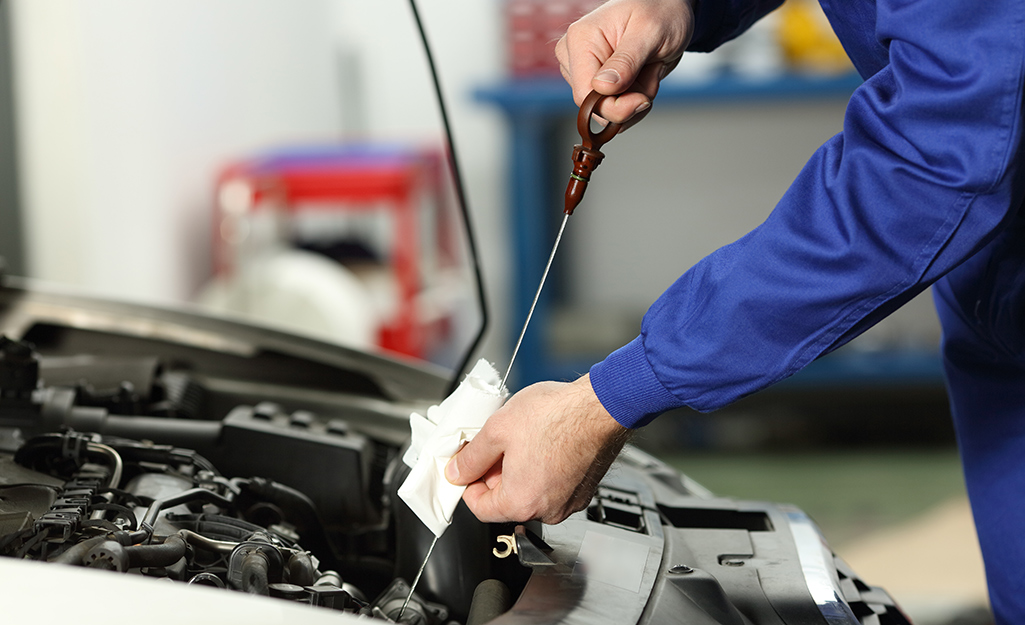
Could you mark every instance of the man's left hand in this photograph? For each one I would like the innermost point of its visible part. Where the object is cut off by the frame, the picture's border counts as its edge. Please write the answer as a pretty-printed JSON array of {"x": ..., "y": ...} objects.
[{"x": 540, "y": 456}]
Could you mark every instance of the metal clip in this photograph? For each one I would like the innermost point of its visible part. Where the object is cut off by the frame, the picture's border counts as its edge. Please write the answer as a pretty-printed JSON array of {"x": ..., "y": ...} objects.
[{"x": 506, "y": 547}]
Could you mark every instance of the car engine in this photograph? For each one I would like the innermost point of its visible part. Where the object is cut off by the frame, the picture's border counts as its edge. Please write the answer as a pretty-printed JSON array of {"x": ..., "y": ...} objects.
[
  {"x": 113, "y": 463},
  {"x": 153, "y": 443}
]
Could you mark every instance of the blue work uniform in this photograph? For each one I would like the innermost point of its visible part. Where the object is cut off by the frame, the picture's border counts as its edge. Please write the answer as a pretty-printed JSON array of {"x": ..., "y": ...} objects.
[{"x": 924, "y": 185}]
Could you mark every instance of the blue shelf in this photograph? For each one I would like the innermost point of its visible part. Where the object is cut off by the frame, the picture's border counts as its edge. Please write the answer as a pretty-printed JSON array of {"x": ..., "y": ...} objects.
[{"x": 553, "y": 97}]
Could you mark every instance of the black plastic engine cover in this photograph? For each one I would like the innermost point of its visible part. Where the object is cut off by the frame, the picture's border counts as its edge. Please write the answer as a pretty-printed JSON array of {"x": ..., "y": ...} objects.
[{"x": 327, "y": 462}]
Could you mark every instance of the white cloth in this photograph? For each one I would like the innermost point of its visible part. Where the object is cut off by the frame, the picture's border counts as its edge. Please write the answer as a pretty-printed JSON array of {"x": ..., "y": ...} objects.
[{"x": 438, "y": 436}]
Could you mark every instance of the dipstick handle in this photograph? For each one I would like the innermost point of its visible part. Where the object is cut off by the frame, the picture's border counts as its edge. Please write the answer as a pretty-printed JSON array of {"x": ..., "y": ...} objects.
[{"x": 586, "y": 155}]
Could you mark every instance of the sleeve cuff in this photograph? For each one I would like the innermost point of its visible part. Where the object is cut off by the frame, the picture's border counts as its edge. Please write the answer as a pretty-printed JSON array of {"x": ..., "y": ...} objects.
[{"x": 628, "y": 388}]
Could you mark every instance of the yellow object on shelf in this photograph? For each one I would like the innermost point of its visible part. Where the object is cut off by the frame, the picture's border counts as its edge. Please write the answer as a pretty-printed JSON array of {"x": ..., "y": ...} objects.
[{"x": 807, "y": 40}]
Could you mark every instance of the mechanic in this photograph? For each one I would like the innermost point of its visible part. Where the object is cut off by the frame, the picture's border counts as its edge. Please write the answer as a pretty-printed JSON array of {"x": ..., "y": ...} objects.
[{"x": 923, "y": 186}]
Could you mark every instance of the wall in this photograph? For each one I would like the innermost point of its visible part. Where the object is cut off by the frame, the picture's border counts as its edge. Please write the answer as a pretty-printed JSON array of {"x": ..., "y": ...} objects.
[
  {"x": 377, "y": 41},
  {"x": 128, "y": 107},
  {"x": 11, "y": 232},
  {"x": 126, "y": 110},
  {"x": 680, "y": 185}
]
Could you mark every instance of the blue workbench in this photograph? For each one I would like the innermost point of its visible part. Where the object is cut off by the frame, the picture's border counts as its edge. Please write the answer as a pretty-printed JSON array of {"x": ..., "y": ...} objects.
[{"x": 534, "y": 110}]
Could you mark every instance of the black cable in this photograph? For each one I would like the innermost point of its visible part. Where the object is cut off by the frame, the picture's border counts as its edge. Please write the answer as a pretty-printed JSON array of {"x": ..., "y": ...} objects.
[{"x": 457, "y": 180}]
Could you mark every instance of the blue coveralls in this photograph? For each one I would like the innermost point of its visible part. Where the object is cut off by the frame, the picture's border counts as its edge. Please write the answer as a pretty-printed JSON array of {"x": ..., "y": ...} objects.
[{"x": 924, "y": 185}]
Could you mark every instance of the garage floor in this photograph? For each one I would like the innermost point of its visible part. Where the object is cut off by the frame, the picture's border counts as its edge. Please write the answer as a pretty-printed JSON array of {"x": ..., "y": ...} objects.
[{"x": 900, "y": 518}]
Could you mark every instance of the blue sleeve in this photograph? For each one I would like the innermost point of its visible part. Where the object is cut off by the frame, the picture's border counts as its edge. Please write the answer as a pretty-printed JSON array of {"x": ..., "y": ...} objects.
[
  {"x": 925, "y": 173},
  {"x": 718, "y": 21}
]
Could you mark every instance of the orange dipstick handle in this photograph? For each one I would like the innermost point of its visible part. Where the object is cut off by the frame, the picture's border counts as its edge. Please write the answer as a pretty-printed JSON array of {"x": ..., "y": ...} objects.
[{"x": 587, "y": 155}]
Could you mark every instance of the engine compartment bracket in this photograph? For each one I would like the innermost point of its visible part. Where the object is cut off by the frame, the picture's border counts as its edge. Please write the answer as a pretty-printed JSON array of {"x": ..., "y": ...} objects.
[{"x": 523, "y": 543}]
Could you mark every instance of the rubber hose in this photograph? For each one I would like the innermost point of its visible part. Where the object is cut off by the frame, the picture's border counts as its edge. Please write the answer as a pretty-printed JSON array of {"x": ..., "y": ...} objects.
[
  {"x": 188, "y": 496},
  {"x": 254, "y": 573},
  {"x": 299, "y": 510},
  {"x": 300, "y": 569},
  {"x": 75, "y": 554},
  {"x": 491, "y": 598},
  {"x": 164, "y": 554}
]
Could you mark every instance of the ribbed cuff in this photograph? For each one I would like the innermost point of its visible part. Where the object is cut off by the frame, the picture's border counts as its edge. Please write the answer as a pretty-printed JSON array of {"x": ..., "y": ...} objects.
[{"x": 627, "y": 387}]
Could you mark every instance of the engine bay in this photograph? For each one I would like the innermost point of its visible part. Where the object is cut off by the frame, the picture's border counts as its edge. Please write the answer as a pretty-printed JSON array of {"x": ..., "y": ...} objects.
[
  {"x": 121, "y": 463},
  {"x": 161, "y": 445}
]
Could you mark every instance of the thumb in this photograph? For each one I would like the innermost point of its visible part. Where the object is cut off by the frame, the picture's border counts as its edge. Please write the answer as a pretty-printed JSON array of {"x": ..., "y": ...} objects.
[
  {"x": 622, "y": 69},
  {"x": 472, "y": 461}
]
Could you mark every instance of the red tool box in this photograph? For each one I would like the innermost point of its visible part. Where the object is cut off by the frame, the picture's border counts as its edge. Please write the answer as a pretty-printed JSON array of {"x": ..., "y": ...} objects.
[{"x": 388, "y": 203}]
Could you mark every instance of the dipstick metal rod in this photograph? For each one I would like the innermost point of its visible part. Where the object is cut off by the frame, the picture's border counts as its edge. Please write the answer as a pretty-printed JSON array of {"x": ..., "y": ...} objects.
[
  {"x": 516, "y": 350},
  {"x": 537, "y": 296},
  {"x": 416, "y": 580}
]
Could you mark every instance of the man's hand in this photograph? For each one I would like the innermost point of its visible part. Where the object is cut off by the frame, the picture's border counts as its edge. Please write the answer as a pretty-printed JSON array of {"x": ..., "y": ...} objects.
[
  {"x": 625, "y": 46},
  {"x": 540, "y": 456}
]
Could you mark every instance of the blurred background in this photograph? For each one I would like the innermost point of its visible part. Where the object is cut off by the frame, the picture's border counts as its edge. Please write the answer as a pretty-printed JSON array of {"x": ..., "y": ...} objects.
[{"x": 284, "y": 162}]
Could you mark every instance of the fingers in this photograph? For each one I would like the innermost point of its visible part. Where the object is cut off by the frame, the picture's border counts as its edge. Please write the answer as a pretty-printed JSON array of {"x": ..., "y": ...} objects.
[
  {"x": 487, "y": 504},
  {"x": 493, "y": 477},
  {"x": 588, "y": 62},
  {"x": 622, "y": 49},
  {"x": 502, "y": 504},
  {"x": 579, "y": 64},
  {"x": 475, "y": 459},
  {"x": 621, "y": 74},
  {"x": 541, "y": 455}
]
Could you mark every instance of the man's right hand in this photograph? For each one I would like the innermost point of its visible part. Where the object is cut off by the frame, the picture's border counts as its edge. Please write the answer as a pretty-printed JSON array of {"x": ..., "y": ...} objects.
[{"x": 625, "y": 47}]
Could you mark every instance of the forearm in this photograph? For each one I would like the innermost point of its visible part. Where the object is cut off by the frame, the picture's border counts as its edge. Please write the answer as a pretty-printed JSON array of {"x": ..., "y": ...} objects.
[{"x": 924, "y": 175}]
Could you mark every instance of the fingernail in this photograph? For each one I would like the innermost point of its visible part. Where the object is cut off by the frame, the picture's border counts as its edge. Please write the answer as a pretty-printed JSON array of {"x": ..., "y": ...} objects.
[
  {"x": 607, "y": 75},
  {"x": 451, "y": 471},
  {"x": 643, "y": 106}
]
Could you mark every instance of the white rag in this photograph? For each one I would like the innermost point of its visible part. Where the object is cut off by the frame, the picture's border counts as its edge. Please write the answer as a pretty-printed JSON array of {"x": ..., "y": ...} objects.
[{"x": 438, "y": 436}]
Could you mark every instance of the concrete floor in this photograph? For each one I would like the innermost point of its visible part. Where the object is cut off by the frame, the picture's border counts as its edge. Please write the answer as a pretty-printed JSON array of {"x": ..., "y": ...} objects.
[{"x": 930, "y": 564}]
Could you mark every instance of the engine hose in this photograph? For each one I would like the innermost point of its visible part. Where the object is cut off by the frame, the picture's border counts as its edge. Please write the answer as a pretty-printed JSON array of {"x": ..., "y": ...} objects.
[
  {"x": 134, "y": 451},
  {"x": 170, "y": 551},
  {"x": 117, "y": 466},
  {"x": 113, "y": 556},
  {"x": 189, "y": 496},
  {"x": 300, "y": 569},
  {"x": 490, "y": 599},
  {"x": 299, "y": 510},
  {"x": 74, "y": 555},
  {"x": 207, "y": 544},
  {"x": 48, "y": 443},
  {"x": 329, "y": 578},
  {"x": 255, "y": 571},
  {"x": 215, "y": 526},
  {"x": 201, "y": 436}
]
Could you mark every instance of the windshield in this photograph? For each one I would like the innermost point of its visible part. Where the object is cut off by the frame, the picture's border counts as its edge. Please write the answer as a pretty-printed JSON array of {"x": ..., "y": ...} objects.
[{"x": 279, "y": 162}]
